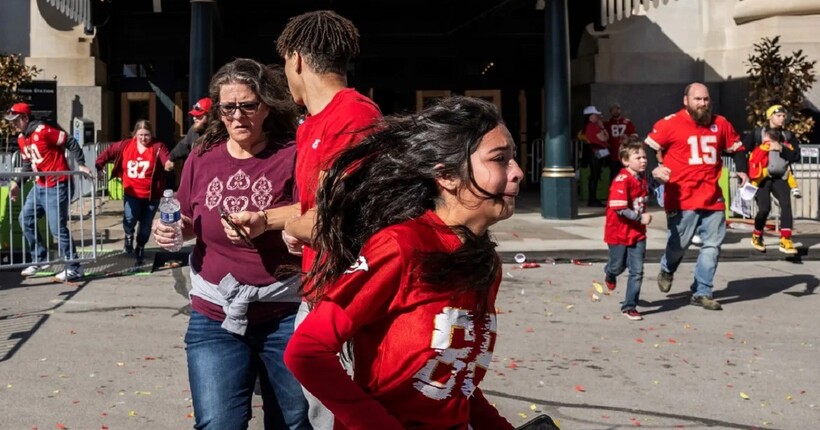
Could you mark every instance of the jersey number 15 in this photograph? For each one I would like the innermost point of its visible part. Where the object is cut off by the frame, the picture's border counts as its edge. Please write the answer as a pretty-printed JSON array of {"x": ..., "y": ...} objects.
[{"x": 703, "y": 149}]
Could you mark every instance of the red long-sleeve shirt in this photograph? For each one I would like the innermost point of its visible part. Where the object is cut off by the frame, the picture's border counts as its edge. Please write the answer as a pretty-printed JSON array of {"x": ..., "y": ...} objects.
[{"x": 420, "y": 350}]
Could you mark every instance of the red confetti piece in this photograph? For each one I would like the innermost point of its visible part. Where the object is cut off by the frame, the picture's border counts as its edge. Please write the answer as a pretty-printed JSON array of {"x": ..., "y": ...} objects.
[
  {"x": 72, "y": 332},
  {"x": 190, "y": 415},
  {"x": 104, "y": 427},
  {"x": 512, "y": 365},
  {"x": 635, "y": 422},
  {"x": 729, "y": 335},
  {"x": 580, "y": 263},
  {"x": 672, "y": 340},
  {"x": 802, "y": 391},
  {"x": 150, "y": 358},
  {"x": 530, "y": 330},
  {"x": 515, "y": 235},
  {"x": 639, "y": 340},
  {"x": 61, "y": 426},
  {"x": 530, "y": 265},
  {"x": 580, "y": 388}
]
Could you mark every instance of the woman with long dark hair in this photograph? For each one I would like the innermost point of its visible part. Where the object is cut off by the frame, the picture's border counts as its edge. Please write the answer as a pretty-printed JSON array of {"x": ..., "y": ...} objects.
[{"x": 404, "y": 261}]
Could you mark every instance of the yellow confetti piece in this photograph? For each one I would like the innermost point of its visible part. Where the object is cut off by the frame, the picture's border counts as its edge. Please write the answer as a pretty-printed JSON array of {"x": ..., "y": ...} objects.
[
  {"x": 142, "y": 393},
  {"x": 657, "y": 345},
  {"x": 656, "y": 382},
  {"x": 8, "y": 386},
  {"x": 744, "y": 396},
  {"x": 533, "y": 408},
  {"x": 56, "y": 391},
  {"x": 522, "y": 415},
  {"x": 570, "y": 307},
  {"x": 132, "y": 413},
  {"x": 120, "y": 364},
  {"x": 598, "y": 287},
  {"x": 789, "y": 397}
]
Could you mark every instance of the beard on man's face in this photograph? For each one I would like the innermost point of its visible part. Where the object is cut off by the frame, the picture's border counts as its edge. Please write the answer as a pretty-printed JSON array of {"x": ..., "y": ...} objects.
[{"x": 702, "y": 115}]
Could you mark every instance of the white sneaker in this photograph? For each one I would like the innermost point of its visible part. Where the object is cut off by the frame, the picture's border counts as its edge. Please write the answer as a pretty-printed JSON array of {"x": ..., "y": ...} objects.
[
  {"x": 696, "y": 240},
  {"x": 32, "y": 270},
  {"x": 69, "y": 274},
  {"x": 796, "y": 193}
]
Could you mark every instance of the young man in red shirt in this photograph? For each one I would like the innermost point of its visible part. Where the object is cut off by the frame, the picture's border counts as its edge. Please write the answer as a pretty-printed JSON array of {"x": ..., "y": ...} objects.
[
  {"x": 317, "y": 48},
  {"x": 43, "y": 150},
  {"x": 689, "y": 144},
  {"x": 620, "y": 129}
]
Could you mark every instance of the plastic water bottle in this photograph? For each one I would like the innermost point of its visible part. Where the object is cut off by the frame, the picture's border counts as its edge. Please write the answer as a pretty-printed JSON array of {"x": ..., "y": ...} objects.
[{"x": 169, "y": 215}]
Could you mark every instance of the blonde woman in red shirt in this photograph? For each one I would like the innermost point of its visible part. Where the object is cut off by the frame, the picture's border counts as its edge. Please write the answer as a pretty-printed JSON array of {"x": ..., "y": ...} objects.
[{"x": 141, "y": 162}]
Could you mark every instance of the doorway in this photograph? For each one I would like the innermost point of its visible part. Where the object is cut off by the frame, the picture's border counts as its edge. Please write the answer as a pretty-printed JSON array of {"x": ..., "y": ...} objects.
[{"x": 135, "y": 106}]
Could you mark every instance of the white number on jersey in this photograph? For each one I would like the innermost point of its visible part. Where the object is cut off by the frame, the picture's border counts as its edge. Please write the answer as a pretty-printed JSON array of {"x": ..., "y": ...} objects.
[
  {"x": 703, "y": 149},
  {"x": 137, "y": 169},
  {"x": 33, "y": 154},
  {"x": 455, "y": 361},
  {"x": 617, "y": 129}
]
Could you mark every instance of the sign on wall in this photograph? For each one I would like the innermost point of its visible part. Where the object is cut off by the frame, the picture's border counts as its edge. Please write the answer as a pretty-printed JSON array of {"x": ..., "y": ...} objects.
[{"x": 42, "y": 96}]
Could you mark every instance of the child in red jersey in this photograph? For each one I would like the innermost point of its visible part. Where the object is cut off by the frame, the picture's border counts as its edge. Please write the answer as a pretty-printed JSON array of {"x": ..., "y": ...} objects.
[
  {"x": 626, "y": 221},
  {"x": 407, "y": 272}
]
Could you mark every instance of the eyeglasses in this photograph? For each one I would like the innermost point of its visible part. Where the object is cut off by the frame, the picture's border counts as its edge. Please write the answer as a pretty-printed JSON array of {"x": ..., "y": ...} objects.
[{"x": 247, "y": 108}]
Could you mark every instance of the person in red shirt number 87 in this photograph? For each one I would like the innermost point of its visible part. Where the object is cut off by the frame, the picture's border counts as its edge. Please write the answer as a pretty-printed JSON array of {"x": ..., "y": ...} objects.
[
  {"x": 410, "y": 278},
  {"x": 141, "y": 162},
  {"x": 689, "y": 144}
]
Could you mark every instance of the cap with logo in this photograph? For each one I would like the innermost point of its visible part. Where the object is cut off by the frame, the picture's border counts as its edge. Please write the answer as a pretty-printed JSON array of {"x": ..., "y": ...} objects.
[
  {"x": 589, "y": 110},
  {"x": 775, "y": 109},
  {"x": 16, "y": 110},
  {"x": 201, "y": 107}
]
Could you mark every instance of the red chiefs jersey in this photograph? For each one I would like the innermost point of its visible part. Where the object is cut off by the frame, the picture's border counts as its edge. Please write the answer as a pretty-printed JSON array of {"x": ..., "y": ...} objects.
[
  {"x": 693, "y": 154},
  {"x": 420, "y": 350},
  {"x": 625, "y": 192},
  {"x": 137, "y": 170},
  {"x": 45, "y": 149},
  {"x": 321, "y": 137},
  {"x": 617, "y": 128}
]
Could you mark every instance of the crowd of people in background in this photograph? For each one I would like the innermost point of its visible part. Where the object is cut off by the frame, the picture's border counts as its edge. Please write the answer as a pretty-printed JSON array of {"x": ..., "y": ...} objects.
[{"x": 330, "y": 249}]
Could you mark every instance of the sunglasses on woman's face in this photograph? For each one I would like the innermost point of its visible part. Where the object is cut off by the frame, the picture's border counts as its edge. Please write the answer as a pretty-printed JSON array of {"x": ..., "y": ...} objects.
[{"x": 247, "y": 108}]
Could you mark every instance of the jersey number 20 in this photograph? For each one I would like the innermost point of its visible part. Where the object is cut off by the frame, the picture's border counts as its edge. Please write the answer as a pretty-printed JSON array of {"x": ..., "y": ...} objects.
[{"x": 703, "y": 149}]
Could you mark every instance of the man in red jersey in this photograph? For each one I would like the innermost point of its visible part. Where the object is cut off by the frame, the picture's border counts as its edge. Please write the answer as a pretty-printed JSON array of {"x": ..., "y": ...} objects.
[
  {"x": 620, "y": 129},
  {"x": 317, "y": 47},
  {"x": 43, "y": 150},
  {"x": 689, "y": 144}
]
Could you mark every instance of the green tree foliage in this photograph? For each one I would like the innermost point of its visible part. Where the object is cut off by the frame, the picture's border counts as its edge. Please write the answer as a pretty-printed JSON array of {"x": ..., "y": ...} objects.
[
  {"x": 13, "y": 73},
  {"x": 778, "y": 79}
]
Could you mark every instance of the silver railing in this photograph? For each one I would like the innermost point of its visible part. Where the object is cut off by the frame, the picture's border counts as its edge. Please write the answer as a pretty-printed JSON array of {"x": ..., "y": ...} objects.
[
  {"x": 79, "y": 219},
  {"x": 807, "y": 175}
]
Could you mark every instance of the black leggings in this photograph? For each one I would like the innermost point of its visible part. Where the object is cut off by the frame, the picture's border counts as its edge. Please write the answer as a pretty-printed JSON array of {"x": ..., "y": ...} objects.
[
  {"x": 780, "y": 189},
  {"x": 595, "y": 166}
]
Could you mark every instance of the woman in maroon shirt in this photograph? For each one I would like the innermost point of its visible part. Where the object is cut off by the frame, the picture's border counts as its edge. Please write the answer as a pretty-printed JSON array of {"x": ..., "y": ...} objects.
[{"x": 244, "y": 296}]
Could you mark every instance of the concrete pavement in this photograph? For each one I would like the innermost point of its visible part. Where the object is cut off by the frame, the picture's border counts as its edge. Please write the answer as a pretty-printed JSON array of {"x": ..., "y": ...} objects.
[{"x": 108, "y": 352}]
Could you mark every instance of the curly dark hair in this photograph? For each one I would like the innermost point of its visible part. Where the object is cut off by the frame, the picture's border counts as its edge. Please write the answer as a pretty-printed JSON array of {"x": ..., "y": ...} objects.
[
  {"x": 390, "y": 177},
  {"x": 269, "y": 84},
  {"x": 327, "y": 40}
]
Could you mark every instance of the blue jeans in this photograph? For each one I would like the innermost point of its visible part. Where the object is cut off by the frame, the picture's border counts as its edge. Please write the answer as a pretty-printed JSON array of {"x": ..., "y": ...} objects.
[
  {"x": 621, "y": 257},
  {"x": 53, "y": 203},
  {"x": 142, "y": 211},
  {"x": 711, "y": 227},
  {"x": 222, "y": 371}
]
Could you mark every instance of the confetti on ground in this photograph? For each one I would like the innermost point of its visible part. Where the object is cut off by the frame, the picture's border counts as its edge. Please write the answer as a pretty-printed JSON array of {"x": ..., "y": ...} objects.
[
  {"x": 744, "y": 396},
  {"x": 598, "y": 287},
  {"x": 580, "y": 388},
  {"x": 132, "y": 413}
]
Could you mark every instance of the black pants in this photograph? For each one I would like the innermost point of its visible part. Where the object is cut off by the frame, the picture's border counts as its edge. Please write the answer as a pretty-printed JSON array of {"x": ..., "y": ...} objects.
[
  {"x": 780, "y": 189},
  {"x": 595, "y": 166},
  {"x": 615, "y": 167}
]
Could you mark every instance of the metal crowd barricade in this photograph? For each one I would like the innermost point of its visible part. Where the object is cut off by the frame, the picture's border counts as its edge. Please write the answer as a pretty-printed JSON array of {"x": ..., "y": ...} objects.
[
  {"x": 807, "y": 175},
  {"x": 80, "y": 219}
]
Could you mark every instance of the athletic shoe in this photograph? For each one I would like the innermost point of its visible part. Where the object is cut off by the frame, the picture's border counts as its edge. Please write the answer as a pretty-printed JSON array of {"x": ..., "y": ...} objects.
[
  {"x": 633, "y": 314},
  {"x": 611, "y": 282},
  {"x": 128, "y": 247},
  {"x": 665, "y": 281},
  {"x": 33, "y": 270},
  {"x": 705, "y": 303},
  {"x": 696, "y": 240},
  {"x": 757, "y": 243},
  {"x": 139, "y": 254},
  {"x": 69, "y": 274},
  {"x": 787, "y": 247},
  {"x": 796, "y": 193}
]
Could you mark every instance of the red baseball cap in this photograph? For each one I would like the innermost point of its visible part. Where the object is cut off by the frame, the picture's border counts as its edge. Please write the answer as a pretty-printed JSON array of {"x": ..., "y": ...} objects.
[
  {"x": 201, "y": 107},
  {"x": 16, "y": 110}
]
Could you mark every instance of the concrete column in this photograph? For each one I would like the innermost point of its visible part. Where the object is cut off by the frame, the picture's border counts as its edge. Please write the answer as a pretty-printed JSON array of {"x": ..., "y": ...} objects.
[
  {"x": 201, "y": 61},
  {"x": 559, "y": 196}
]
